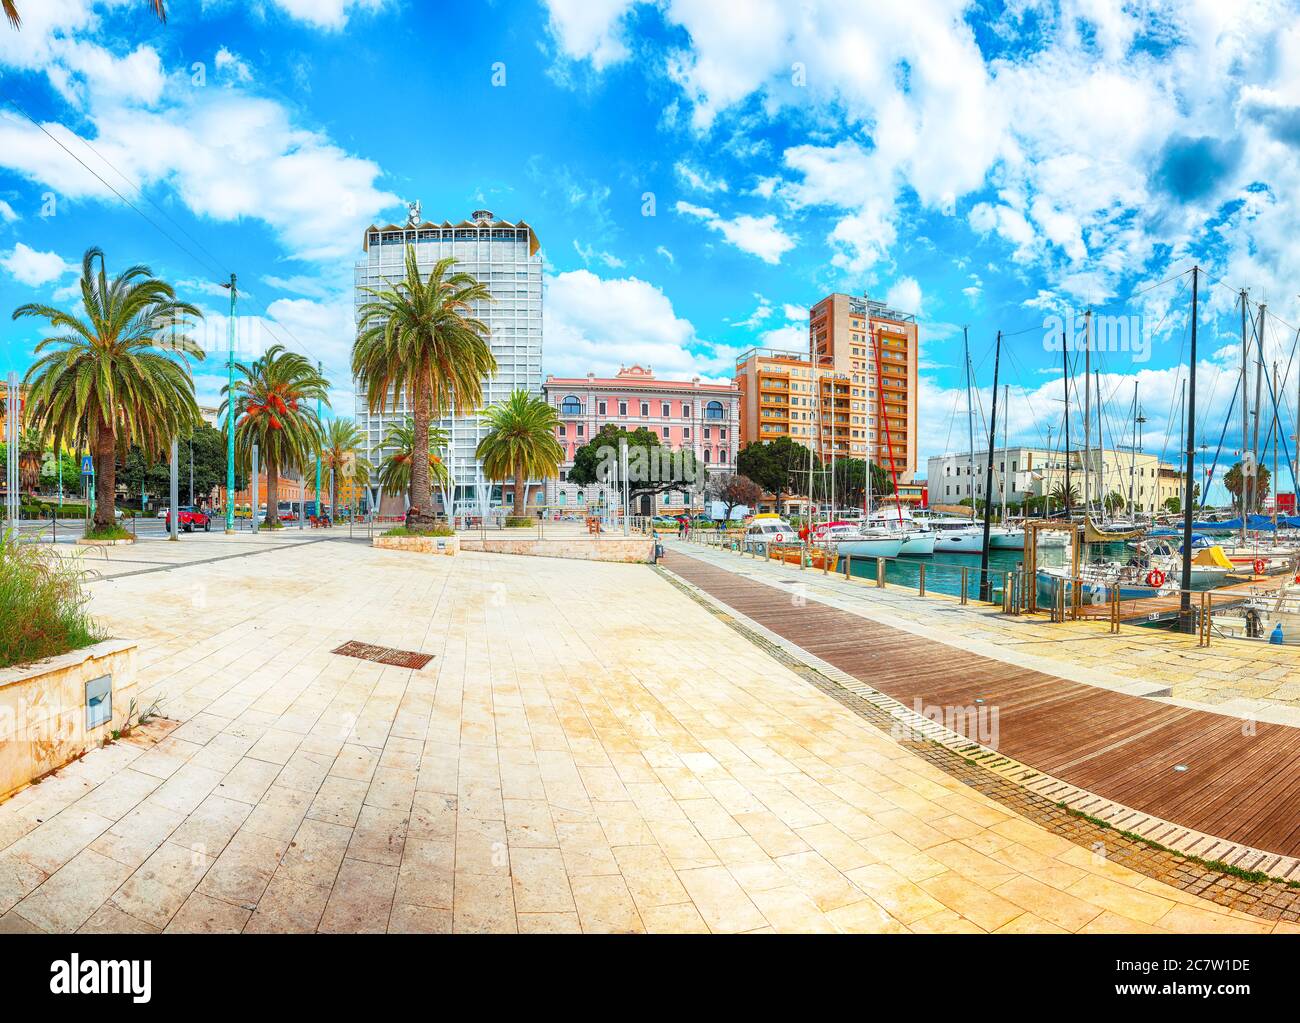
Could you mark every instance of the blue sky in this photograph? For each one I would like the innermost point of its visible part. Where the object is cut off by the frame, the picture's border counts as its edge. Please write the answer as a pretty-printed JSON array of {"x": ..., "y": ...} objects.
[{"x": 981, "y": 164}]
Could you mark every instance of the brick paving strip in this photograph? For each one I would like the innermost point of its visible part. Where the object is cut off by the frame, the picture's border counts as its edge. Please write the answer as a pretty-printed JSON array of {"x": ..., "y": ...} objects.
[{"x": 1121, "y": 732}]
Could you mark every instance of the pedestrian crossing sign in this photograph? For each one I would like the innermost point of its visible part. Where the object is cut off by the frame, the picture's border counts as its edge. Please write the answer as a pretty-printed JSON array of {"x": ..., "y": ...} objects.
[{"x": 87, "y": 466}]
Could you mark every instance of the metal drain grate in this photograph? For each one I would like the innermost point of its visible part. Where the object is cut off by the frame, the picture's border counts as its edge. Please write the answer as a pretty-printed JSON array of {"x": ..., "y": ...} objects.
[{"x": 384, "y": 655}]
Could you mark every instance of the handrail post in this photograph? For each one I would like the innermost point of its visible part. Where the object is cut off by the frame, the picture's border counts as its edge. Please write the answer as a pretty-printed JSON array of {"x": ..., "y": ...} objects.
[
  {"x": 965, "y": 597},
  {"x": 848, "y": 567},
  {"x": 880, "y": 573},
  {"x": 921, "y": 587}
]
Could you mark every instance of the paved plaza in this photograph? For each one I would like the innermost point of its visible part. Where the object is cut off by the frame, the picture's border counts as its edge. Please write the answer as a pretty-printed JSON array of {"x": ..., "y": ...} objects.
[{"x": 589, "y": 750}]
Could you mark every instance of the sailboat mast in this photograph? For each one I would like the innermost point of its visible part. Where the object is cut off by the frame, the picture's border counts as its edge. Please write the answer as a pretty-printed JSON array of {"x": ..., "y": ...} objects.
[
  {"x": 1273, "y": 388},
  {"x": 1254, "y": 442},
  {"x": 970, "y": 421},
  {"x": 1242, "y": 472},
  {"x": 986, "y": 587},
  {"x": 1065, "y": 382},
  {"x": 1186, "y": 584},
  {"x": 1087, "y": 413},
  {"x": 1133, "y": 460},
  {"x": 1101, "y": 451}
]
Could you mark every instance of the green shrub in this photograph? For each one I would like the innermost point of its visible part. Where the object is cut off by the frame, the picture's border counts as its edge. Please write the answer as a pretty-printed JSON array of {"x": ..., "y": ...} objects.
[
  {"x": 42, "y": 604},
  {"x": 107, "y": 533},
  {"x": 518, "y": 522},
  {"x": 442, "y": 530}
]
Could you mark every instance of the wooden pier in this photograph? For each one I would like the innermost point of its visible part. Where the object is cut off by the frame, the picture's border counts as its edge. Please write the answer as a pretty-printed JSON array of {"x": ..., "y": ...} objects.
[
  {"x": 1218, "y": 774},
  {"x": 1167, "y": 609}
]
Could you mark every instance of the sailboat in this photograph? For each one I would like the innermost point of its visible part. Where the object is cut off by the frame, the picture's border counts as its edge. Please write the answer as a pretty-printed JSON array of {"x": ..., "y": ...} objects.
[
  {"x": 953, "y": 535},
  {"x": 1003, "y": 536}
]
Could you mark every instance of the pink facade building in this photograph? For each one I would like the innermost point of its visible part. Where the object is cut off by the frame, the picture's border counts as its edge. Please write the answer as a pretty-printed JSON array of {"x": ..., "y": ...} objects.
[{"x": 687, "y": 414}]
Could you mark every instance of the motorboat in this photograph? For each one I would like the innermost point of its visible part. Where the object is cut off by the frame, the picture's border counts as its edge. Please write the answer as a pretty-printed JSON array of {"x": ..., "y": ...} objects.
[
  {"x": 953, "y": 535},
  {"x": 918, "y": 538},
  {"x": 858, "y": 541},
  {"x": 766, "y": 529}
]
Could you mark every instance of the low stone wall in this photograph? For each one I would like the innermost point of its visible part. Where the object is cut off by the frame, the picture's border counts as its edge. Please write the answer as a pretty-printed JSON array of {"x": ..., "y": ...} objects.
[
  {"x": 83, "y": 542},
  {"x": 631, "y": 550},
  {"x": 45, "y": 716},
  {"x": 446, "y": 545}
]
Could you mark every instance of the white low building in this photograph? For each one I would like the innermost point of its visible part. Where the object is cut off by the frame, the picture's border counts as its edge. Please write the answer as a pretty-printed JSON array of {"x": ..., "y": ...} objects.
[{"x": 1029, "y": 472}]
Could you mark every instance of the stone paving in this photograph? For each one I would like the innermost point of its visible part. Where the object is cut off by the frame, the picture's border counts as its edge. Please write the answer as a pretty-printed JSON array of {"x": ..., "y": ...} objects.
[
  {"x": 1229, "y": 676},
  {"x": 590, "y": 750}
]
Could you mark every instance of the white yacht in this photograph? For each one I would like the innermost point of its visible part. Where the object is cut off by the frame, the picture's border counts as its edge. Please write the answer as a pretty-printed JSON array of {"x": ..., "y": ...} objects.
[
  {"x": 855, "y": 540},
  {"x": 918, "y": 538},
  {"x": 953, "y": 535}
]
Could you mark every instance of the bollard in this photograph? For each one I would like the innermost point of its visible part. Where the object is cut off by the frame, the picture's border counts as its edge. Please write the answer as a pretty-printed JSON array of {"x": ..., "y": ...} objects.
[
  {"x": 848, "y": 567},
  {"x": 921, "y": 587},
  {"x": 880, "y": 573},
  {"x": 965, "y": 581},
  {"x": 54, "y": 526}
]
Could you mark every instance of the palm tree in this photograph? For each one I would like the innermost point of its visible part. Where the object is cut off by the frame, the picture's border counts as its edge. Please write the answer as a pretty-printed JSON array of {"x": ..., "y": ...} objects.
[
  {"x": 339, "y": 452},
  {"x": 30, "y": 450},
  {"x": 417, "y": 337},
  {"x": 1067, "y": 498},
  {"x": 395, "y": 470},
  {"x": 520, "y": 443},
  {"x": 273, "y": 409},
  {"x": 111, "y": 380},
  {"x": 10, "y": 8}
]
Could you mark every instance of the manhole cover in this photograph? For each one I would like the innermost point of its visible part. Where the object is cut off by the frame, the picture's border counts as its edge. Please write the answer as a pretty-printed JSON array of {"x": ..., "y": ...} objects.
[{"x": 383, "y": 655}]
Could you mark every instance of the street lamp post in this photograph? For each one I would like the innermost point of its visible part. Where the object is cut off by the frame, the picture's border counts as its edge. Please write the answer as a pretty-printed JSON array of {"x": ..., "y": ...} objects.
[
  {"x": 253, "y": 484},
  {"x": 175, "y": 491},
  {"x": 230, "y": 413}
]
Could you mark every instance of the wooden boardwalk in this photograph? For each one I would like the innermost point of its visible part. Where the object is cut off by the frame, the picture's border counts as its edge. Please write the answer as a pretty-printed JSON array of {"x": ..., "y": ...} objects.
[
  {"x": 1241, "y": 782},
  {"x": 1163, "y": 609}
]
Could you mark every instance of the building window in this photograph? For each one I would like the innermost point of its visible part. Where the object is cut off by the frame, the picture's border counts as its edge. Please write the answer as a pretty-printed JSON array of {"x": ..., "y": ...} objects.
[
  {"x": 579, "y": 425},
  {"x": 667, "y": 410},
  {"x": 723, "y": 433},
  {"x": 622, "y": 408},
  {"x": 713, "y": 410},
  {"x": 686, "y": 433},
  {"x": 645, "y": 409},
  {"x": 706, "y": 433},
  {"x": 686, "y": 410},
  {"x": 706, "y": 456},
  {"x": 571, "y": 406},
  {"x": 562, "y": 433},
  {"x": 601, "y": 407}
]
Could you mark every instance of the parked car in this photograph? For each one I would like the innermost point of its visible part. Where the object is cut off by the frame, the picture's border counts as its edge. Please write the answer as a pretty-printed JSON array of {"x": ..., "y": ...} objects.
[
  {"x": 162, "y": 513},
  {"x": 191, "y": 519}
]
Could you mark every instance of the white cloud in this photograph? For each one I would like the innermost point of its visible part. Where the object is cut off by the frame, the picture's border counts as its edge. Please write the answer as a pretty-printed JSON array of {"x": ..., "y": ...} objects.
[
  {"x": 796, "y": 313},
  {"x": 760, "y": 315},
  {"x": 666, "y": 254},
  {"x": 597, "y": 324},
  {"x": 327, "y": 14},
  {"x": 701, "y": 180},
  {"x": 232, "y": 64},
  {"x": 7, "y": 213},
  {"x": 759, "y": 236},
  {"x": 789, "y": 338},
  {"x": 35, "y": 269},
  {"x": 590, "y": 254},
  {"x": 590, "y": 29},
  {"x": 905, "y": 295}
]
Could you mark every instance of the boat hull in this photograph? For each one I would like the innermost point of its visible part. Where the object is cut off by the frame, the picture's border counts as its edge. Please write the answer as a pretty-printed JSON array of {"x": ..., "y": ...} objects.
[
  {"x": 959, "y": 543},
  {"x": 1012, "y": 540},
  {"x": 882, "y": 548},
  {"x": 918, "y": 545}
]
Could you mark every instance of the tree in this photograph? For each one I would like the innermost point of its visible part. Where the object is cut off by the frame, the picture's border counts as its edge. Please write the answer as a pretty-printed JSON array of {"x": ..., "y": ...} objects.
[
  {"x": 1173, "y": 505},
  {"x": 30, "y": 450},
  {"x": 205, "y": 447},
  {"x": 732, "y": 490},
  {"x": 395, "y": 469},
  {"x": 273, "y": 409},
  {"x": 652, "y": 467},
  {"x": 779, "y": 466},
  {"x": 10, "y": 8},
  {"x": 1114, "y": 502},
  {"x": 1065, "y": 498},
  {"x": 1234, "y": 480},
  {"x": 114, "y": 378},
  {"x": 340, "y": 447},
  {"x": 851, "y": 482},
  {"x": 417, "y": 336},
  {"x": 520, "y": 443}
]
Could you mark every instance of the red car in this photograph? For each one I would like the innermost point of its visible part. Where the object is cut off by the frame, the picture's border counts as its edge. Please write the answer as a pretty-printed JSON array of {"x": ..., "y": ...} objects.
[{"x": 191, "y": 519}]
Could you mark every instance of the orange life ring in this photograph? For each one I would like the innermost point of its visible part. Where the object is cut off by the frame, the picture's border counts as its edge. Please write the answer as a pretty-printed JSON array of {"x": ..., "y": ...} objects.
[
  {"x": 1155, "y": 578},
  {"x": 1259, "y": 566},
  {"x": 779, "y": 538}
]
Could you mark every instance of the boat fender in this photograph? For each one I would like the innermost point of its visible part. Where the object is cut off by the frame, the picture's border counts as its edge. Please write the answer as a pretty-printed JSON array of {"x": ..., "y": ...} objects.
[
  {"x": 1259, "y": 566},
  {"x": 803, "y": 533},
  {"x": 1155, "y": 578}
]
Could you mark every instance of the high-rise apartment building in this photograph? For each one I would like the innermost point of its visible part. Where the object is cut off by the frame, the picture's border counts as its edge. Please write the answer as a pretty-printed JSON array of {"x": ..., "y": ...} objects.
[
  {"x": 505, "y": 257},
  {"x": 866, "y": 357},
  {"x": 837, "y": 397}
]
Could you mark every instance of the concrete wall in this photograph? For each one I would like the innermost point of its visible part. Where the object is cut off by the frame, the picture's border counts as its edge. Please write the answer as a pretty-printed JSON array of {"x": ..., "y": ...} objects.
[
  {"x": 635, "y": 550},
  {"x": 444, "y": 545},
  {"x": 43, "y": 709}
]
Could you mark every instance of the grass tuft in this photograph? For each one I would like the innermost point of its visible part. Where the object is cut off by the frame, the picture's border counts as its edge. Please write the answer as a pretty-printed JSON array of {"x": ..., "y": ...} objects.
[
  {"x": 42, "y": 604},
  {"x": 107, "y": 533},
  {"x": 431, "y": 531}
]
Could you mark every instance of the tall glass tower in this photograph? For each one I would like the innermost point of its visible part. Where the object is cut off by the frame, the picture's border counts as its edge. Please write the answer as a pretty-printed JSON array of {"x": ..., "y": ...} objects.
[{"x": 504, "y": 256}]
